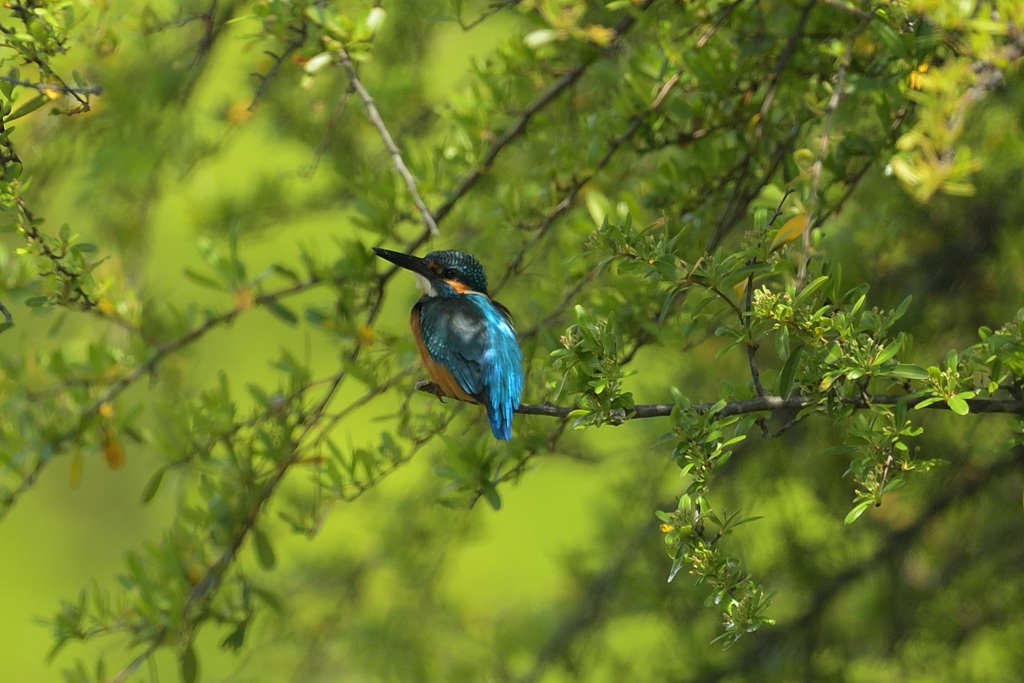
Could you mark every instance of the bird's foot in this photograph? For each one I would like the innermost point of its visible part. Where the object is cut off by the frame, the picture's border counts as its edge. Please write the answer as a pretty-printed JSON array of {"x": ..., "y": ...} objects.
[{"x": 431, "y": 388}]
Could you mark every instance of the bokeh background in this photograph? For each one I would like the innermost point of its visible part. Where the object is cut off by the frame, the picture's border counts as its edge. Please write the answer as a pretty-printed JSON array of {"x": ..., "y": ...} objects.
[{"x": 567, "y": 580}]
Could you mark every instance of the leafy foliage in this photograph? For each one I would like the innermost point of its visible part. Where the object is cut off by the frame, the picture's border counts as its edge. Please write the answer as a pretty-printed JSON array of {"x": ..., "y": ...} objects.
[{"x": 653, "y": 182}]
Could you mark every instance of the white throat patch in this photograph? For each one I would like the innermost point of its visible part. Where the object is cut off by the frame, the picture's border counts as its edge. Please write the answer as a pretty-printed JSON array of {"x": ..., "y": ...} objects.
[{"x": 425, "y": 285}]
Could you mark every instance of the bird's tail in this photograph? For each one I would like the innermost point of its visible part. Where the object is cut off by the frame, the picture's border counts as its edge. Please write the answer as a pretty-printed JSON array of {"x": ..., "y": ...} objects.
[{"x": 500, "y": 418}]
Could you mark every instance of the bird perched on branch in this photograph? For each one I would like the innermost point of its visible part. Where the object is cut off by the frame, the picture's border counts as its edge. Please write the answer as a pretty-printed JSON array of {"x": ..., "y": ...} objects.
[{"x": 465, "y": 338}]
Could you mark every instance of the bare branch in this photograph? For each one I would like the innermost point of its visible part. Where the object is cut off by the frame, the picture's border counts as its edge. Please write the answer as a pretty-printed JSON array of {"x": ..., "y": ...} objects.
[
  {"x": 486, "y": 14},
  {"x": 56, "y": 87},
  {"x": 756, "y": 405},
  {"x": 265, "y": 79},
  {"x": 396, "y": 155},
  {"x": 325, "y": 142}
]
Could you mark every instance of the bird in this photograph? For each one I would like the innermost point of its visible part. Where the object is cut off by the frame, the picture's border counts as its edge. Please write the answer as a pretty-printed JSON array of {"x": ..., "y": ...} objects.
[{"x": 465, "y": 338}]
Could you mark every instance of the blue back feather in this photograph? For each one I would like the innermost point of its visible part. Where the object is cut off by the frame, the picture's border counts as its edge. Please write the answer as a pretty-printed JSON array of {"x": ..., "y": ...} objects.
[{"x": 471, "y": 337}]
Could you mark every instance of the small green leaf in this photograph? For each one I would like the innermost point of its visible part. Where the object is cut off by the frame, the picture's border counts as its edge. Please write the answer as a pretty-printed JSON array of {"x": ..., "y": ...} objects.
[
  {"x": 284, "y": 272},
  {"x": 492, "y": 497},
  {"x": 812, "y": 286},
  {"x": 204, "y": 279},
  {"x": 264, "y": 551},
  {"x": 957, "y": 403},
  {"x": 888, "y": 352},
  {"x": 189, "y": 666},
  {"x": 676, "y": 566},
  {"x": 281, "y": 311},
  {"x": 29, "y": 107},
  {"x": 910, "y": 371},
  {"x": 839, "y": 450},
  {"x": 857, "y": 511},
  {"x": 153, "y": 486},
  {"x": 236, "y": 638},
  {"x": 902, "y": 308},
  {"x": 927, "y": 402}
]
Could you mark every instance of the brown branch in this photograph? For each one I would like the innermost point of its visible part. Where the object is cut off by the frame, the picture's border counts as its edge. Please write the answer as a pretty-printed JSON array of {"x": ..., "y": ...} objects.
[
  {"x": 486, "y": 14},
  {"x": 780, "y": 65},
  {"x": 389, "y": 142},
  {"x": 265, "y": 79},
  {"x": 755, "y": 405},
  {"x": 56, "y": 87},
  {"x": 723, "y": 15}
]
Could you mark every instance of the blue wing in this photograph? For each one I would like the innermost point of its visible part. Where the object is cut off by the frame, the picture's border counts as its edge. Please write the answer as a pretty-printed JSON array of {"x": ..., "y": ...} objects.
[{"x": 474, "y": 340}]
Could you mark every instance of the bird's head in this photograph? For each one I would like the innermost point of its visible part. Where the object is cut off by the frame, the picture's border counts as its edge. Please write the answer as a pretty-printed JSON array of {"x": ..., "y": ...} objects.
[{"x": 441, "y": 273}]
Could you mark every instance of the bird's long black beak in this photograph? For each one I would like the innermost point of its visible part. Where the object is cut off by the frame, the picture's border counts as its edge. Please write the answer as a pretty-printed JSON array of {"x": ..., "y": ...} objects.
[{"x": 407, "y": 261}]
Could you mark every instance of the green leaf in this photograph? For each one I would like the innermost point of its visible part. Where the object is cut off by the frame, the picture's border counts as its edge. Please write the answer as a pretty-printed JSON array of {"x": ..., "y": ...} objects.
[
  {"x": 153, "y": 485},
  {"x": 887, "y": 353},
  {"x": 676, "y": 566},
  {"x": 264, "y": 551},
  {"x": 236, "y": 639},
  {"x": 204, "y": 279},
  {"x": 839, "y": 450},
  {"x": 281, "y": 311},
  {"x": 902, "y": 308},
  {"x": 957, "y": 403},
  {"x": 812, "y": 286},
  {"x": 492, "y": 496},
  {"x": 910, "y": 371},
  {"x": 189, "y": 666},
  {"x": 927, "y": 402},
  {"x": 857, "y": 511},
  {"x": 28, "y": 107},
  {"x": 284, "y": 272}
]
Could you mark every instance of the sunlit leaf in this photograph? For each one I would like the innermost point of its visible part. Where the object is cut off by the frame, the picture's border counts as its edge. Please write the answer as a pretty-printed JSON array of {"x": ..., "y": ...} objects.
[{"x": 790, "y": 230}]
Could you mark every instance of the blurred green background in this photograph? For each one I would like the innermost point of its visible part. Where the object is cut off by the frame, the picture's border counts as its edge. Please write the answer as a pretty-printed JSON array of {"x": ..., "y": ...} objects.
[{"x": 567, "y": 580}]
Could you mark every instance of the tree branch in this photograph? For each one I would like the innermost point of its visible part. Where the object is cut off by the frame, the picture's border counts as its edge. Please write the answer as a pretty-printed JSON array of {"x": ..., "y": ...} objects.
[
  {"x": 56, "y": 87},
  {"x": 754, "y": 405},
  {"x": 396, "y": 155}
]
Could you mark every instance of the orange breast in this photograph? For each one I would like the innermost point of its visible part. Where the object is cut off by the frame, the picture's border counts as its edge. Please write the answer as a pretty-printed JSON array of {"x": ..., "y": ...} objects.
[{"x": 440, "y": 374}]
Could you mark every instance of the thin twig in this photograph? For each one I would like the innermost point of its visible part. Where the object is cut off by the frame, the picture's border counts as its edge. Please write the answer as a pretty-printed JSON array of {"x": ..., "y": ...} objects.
[
  {"x": 332, "y": 125},
  {"x": 265, "y": 79},
  {"x": 780, "y": 65},
  {"x": 748, "y": 298},
  {"x": 830, "y": 111},
  {"x": 56, "y": 87},
  {"x": 723, "y": 15},
  {"x": 486, "y": 14},
  {"x": 382, "y": 129}
]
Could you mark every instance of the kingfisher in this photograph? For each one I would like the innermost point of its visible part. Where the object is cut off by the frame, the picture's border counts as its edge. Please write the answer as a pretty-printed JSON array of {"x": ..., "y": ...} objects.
[{"x": 465, "y": 337}]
